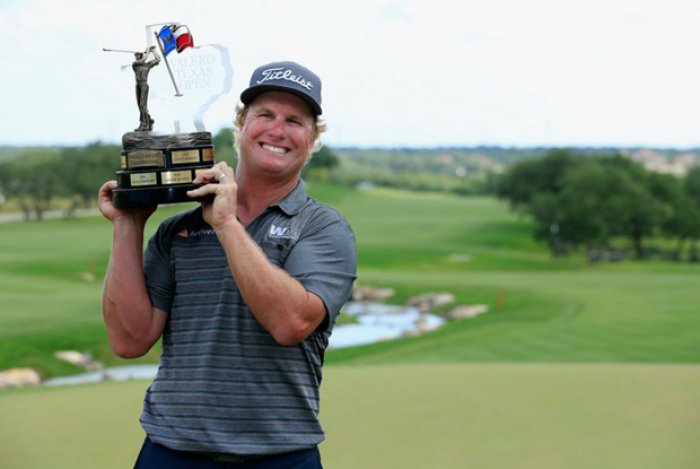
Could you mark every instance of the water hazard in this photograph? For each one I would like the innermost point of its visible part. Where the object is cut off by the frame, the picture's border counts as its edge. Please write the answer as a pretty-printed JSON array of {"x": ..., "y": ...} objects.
[{"x": 374, "y": 322}]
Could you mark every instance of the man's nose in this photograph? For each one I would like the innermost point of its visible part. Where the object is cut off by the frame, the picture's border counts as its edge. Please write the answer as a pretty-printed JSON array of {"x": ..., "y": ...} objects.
[{"x": 277, "y": 126}]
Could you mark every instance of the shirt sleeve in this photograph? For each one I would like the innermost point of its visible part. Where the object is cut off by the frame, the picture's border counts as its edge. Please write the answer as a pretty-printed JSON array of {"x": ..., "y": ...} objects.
[{"x": 324, "y": 260}]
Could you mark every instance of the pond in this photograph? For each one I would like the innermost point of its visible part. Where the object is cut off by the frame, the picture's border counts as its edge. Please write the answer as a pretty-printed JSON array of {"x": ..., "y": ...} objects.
[
  {"x": 374, "y": 322},
  {"x": 378, "y": 321},
  {"x": 116, "y": 373}
]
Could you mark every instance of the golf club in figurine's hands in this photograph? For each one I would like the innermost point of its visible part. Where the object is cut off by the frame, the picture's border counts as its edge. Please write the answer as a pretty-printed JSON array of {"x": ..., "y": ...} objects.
[{"x": 159, "y": 168}]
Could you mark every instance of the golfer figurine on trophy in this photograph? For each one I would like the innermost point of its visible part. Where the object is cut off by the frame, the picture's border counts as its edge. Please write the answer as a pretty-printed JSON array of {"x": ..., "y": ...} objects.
[
  {"x": 141, "y": 68},
  {"x": 159, "y": 168}
]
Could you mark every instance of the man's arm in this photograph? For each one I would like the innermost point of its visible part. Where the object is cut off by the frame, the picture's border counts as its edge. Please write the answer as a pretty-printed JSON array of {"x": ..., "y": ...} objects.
[
  {"x": 133, "y": 324},
  {"x": 278, "y": 301}
]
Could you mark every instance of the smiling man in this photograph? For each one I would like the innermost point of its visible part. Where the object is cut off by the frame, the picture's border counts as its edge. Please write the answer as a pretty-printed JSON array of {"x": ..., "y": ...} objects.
[{"x": 244, "y": 291}]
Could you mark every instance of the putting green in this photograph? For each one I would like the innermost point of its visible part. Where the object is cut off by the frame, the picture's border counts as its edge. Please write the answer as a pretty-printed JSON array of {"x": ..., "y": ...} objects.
[{"x": 412, "y": 416}]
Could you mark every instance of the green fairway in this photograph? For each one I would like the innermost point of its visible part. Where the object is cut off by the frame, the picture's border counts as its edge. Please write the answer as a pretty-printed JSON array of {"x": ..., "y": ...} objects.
[
  {"x": 541, "y": 309},
  {"x": 574, "y": 316},
  {"x": 50, "y": 281},
  {"x": 412, "y": 416},
  {"x": 573, "y": 366}
]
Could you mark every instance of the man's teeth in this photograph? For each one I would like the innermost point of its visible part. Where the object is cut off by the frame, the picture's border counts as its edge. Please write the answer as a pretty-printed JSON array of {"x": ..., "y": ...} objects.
[{"x": 277, "y": 150}]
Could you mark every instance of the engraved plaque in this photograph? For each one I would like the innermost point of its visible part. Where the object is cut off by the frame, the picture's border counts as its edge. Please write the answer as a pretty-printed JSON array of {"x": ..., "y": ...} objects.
[
  {"x": 185, "y": 156},
  {"x": 143, "y": 179},
  {"x": 145, "y": 158},
  {"x": 207, "y": 155},
  {"x": 176, "y": 177}
]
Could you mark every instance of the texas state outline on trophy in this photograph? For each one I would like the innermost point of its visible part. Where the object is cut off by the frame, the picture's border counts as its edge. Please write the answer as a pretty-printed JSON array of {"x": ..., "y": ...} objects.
[{"x": 158, "y": 168}]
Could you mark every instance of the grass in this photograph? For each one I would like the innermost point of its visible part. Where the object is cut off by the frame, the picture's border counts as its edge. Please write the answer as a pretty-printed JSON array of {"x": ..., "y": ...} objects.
[
  {"x": 541, "y": 310},
  {"x": 575, "y": 316},
  {"x": 50, "y": 291},
  {"x": 575, "y": 365},
  {"x": 487, "y": 416}
]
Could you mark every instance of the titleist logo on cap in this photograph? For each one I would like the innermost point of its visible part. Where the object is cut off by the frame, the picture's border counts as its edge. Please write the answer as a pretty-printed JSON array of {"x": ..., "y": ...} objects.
[
  {"x": 287, "y": 77},
  {"x": 284, "y": 74}
]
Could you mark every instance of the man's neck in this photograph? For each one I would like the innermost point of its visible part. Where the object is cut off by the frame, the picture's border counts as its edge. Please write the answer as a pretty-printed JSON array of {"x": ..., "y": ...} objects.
[{"x": 255, "y": 196}]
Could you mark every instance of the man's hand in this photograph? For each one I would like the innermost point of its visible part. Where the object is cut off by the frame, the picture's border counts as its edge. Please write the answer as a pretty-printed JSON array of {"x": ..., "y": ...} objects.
[
  {"x": 110, "y": 212},
  {"x": 220, "y": 181}
]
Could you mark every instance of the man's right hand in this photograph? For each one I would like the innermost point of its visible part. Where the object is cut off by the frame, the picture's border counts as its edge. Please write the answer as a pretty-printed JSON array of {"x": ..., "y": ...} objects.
[{"x": 112, "y": 213}]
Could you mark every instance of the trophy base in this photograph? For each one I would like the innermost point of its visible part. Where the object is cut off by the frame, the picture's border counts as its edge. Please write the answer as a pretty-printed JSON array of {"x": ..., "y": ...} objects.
[
  {"x": 159, "y": 168},
  {"x": 152, "y": 196}
]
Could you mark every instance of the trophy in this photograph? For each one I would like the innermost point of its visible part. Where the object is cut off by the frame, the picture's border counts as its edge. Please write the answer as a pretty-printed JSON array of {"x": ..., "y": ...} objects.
[{"x": 159, "y": 168}]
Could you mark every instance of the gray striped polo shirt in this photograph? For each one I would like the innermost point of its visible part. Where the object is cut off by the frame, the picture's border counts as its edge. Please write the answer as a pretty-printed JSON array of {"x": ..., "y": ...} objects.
[{"x": 224, "y": 384}]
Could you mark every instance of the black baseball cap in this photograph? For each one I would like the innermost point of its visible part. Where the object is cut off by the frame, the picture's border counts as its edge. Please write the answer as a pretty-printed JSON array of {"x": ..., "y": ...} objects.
[{"x": 289, "y": 77}]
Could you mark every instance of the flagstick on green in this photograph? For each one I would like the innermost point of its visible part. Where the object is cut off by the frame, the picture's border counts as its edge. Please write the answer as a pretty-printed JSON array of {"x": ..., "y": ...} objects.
[{"x": 167, "y": 64}]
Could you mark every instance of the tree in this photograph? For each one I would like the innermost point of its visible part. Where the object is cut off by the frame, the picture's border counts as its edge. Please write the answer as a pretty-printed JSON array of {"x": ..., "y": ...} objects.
[
  {"x": 84, "y": 170},
  {"x": 680, "y": 215},
  {"x": 692, "y": 190},
  {"x": 634, "y": 211},
  {"x": 224, "y": 145},
  {"x": 33, "y": 179},
  {"x": 320, "y": 165},
  {"x": 592, "y": 201},
  {"x": 526, "y": 179},
  {"x": 574, "y": 215}
]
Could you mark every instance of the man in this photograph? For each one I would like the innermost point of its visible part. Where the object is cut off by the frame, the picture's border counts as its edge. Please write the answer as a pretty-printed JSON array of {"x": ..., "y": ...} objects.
[
  {"x": 244, "y": 291},
  {"x": 141, "y": 68}
]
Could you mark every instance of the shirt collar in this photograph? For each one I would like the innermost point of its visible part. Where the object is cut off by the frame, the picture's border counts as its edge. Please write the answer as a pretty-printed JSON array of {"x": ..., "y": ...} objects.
[{"x": 292, "y": 202}]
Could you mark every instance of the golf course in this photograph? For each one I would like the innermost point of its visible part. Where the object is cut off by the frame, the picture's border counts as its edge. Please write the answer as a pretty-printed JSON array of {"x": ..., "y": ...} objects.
[{"x": 574, "y": 365}]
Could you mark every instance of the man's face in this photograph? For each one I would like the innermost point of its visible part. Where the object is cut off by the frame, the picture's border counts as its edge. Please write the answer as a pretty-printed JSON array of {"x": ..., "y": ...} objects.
[{"x": 276, "y": 136}]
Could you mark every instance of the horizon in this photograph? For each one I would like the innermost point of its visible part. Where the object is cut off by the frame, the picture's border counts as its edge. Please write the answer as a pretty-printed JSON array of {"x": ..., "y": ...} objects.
[{"x": 410, "y": 148}]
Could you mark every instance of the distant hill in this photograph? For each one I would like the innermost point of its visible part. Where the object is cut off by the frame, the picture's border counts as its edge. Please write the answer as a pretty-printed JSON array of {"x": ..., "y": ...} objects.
[
  {"x": 7, "y": 152},
  {"x": 467, "y": 159},
  {"x": 462, "y": 160}
]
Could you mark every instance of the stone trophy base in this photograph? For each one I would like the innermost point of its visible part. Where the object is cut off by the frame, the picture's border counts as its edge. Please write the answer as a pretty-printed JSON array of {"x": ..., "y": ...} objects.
[{"x": 159, "y": 169}]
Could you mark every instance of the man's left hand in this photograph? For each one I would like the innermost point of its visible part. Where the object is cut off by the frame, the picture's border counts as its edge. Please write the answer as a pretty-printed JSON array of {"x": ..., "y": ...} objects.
[{"x": 220, "y": 181}]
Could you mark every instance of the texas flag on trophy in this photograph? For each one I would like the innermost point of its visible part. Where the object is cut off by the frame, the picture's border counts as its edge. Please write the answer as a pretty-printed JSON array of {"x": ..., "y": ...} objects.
[{"x": 174, "y": 37}]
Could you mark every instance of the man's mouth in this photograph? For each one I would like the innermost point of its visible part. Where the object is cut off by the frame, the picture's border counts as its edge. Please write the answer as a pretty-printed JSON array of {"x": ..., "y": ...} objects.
[{"x": 274, "y": 149}]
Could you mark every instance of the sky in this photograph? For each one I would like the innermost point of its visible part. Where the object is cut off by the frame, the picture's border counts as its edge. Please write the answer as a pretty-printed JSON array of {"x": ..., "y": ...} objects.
[{"x": 396, "y": 73}]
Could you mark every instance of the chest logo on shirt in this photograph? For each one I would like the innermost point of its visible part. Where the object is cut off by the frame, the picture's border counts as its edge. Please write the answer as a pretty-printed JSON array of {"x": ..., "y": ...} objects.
[
  {"x": 283, "y": 232},
  {"x": 186, "y": 234}
]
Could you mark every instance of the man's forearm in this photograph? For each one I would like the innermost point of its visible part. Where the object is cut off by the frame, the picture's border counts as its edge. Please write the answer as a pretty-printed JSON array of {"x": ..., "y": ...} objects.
[
  {"x": 126, "y": 307},
  {"x": 279, "y": 302}
]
